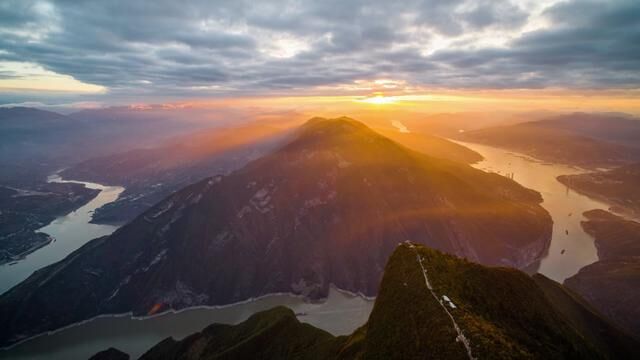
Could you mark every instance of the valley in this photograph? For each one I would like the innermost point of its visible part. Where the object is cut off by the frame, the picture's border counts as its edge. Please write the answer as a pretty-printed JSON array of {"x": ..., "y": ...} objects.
[
  {"x": 23, "y": 213},
  {"x": 71, "y": 230},
  {"x": 155, "y": 263},
  {"x": 321, "y": 180},
  {"x": 571, "y": 247},
  {"x": 533, "y": 174},
  {"x": 339, "y": 314},
  {"x": 150, "y": 174}
]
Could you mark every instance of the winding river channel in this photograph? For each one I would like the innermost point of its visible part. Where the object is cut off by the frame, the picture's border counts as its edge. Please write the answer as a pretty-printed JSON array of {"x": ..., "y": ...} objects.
[
  {"x": 571, "y": 249},
  {"x": 70, "y": 232},
  {"x": 340, "y": 314}
]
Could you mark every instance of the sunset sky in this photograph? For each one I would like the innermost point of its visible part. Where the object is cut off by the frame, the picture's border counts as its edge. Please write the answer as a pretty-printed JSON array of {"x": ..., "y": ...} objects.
[{"x": 430, "y": 55}]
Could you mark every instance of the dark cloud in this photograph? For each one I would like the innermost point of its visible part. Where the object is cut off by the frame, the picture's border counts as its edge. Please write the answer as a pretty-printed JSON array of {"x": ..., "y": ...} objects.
[
  {"x": 162, "y": 47},
  {"x": 592, "y": 45}
]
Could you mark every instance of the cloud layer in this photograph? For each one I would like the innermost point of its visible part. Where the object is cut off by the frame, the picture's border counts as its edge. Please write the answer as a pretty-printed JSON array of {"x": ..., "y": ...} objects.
[{"x": 174, "y": 48}]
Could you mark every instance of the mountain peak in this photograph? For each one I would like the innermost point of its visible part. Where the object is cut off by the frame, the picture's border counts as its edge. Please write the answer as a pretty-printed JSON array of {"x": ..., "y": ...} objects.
[
  {"x": 345, "y": 137},
  {"x": 327, "y": 208},
  {"x": 338, "y": 125},
  {"x": 320, "y": 119}
]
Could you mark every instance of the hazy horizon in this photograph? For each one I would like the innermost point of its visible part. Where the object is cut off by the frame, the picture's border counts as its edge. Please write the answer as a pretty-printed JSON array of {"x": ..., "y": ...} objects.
[
  {"x": 319, "y": 179},
  {"x": 352, "y": 56}
]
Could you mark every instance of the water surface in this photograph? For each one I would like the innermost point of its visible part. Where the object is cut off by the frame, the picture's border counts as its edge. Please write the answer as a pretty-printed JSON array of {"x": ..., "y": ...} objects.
[
  {"x": 70, "y": 232},
  {"x": 571, "y": 248},
  {"x": 340, "y": 314}
]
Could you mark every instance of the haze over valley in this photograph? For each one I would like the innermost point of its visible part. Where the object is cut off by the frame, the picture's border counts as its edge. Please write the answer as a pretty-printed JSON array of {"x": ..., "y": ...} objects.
[{"x": 319, "y": 180}]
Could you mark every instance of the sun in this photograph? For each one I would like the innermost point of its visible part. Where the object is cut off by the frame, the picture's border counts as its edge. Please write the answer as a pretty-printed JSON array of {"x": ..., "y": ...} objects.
[{"x": 379, "y": 99}]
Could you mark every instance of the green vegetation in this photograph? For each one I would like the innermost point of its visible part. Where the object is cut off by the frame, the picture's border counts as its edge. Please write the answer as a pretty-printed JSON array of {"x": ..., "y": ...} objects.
[
  {"x": 504, "y": 313},
  {"x": 271, "y": 334}
]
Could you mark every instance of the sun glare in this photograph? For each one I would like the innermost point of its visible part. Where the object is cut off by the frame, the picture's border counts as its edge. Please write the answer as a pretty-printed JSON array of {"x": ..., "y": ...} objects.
[{"x": 379, "y": 100}]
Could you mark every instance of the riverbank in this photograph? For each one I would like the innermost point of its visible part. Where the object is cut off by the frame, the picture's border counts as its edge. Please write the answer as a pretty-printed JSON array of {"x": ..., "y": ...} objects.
[
  {"x": 571, "y": 247},
  {"x": 24, "y": 210},
  {"x": 340, "y": 314},
  {"x": 68, "y": 232}
]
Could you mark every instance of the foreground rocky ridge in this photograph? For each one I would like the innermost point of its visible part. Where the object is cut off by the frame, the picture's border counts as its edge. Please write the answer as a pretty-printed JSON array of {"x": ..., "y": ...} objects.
[
  {"x": 326, "y": 208},
  {"x": 430, "y": 306}
]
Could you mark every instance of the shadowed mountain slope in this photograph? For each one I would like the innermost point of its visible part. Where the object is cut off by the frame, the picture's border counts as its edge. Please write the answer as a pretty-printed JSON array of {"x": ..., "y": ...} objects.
[
  {"x": 579, "y": 139},
  {"x": 151, "y": 174},
  {"x": 328, "y": 207}
]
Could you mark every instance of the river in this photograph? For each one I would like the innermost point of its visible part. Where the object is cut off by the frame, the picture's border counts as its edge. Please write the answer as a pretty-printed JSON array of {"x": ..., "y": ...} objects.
[
  {"x": 571, "y": 248},
  {"x": 340, "y": 314},
  {"x": 70, "y": 232}
]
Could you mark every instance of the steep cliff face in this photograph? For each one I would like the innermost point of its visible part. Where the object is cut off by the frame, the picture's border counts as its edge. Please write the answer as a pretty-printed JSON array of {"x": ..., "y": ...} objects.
[
  {"x": 328, "y": 207},
  {"x": 430, "y": 306}
]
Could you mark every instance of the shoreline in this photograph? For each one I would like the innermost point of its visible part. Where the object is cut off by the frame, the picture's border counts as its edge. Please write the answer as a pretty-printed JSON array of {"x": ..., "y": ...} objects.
[
  {"x": 557, "y": 200},
  {"x": 182, "y": 310},
  {"x": 63, "y": 240},
  {"x": 613, "y": 206}
]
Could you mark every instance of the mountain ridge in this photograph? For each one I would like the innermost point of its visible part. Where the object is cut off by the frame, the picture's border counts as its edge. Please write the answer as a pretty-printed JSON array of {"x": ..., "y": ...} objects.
[
  {"x": 275, "y": 225},
  {"x": 585, "y": 140},
  {"x": 423, "y": 311}
]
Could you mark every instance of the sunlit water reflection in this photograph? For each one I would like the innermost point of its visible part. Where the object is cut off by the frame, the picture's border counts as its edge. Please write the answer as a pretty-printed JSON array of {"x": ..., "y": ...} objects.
[{"x": 571, "y": 248}]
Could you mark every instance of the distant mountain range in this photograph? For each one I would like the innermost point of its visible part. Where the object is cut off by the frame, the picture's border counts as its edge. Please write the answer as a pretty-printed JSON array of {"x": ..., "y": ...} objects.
[
  {"x": 430, "y": 306},
  {"x": 612, "y": 284},
  {"x": 586, "y": 140},
  {"x": 33, "y": 142},
  {"x": 151, "y": 174},
  {"x": 328, "y": 207}
]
